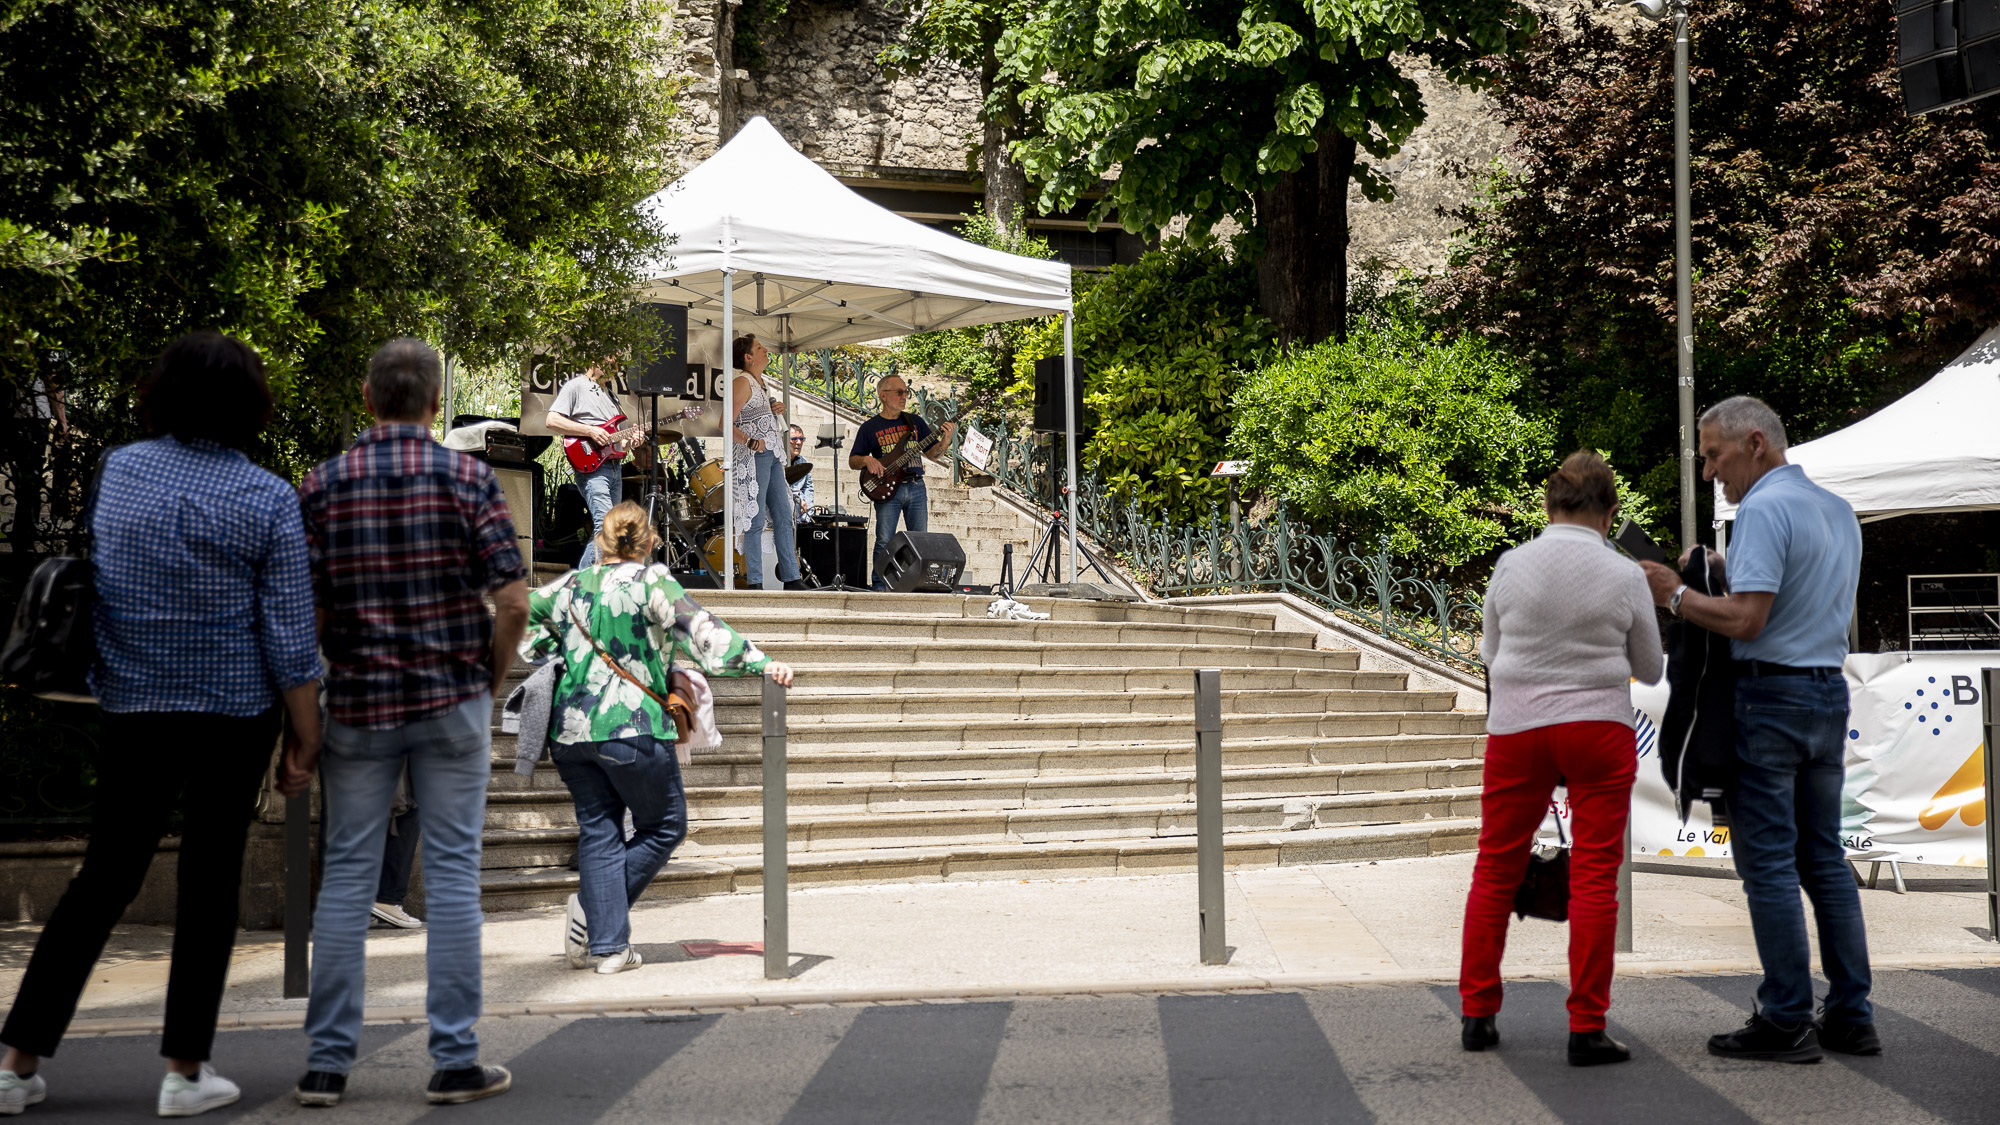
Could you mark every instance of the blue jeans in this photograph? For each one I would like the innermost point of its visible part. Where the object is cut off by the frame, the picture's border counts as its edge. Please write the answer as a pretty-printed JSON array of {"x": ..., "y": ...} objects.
[
  {"x": 914, "y": 505},
  {"x": 1786, "y": 835},
  {"x": 605, "y": 779},
  {"x": 450, "y": 760},
  {"x": 775, "y": 511},
  {"x": 602, "y": 489}
]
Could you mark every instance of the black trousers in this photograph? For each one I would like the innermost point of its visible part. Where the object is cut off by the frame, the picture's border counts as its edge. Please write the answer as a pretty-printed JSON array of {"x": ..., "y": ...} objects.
[
  {"x": 399, "y": 859},
  {"x": 208, "y": 765}
]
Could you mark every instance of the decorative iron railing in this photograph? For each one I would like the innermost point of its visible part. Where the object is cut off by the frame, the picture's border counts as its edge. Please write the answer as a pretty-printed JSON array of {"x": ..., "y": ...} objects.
[{"x": 1278, "y": 553}]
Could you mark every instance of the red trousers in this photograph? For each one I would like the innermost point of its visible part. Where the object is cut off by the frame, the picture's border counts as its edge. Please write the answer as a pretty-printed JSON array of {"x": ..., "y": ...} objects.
[{"x": 1597, "y": 761}]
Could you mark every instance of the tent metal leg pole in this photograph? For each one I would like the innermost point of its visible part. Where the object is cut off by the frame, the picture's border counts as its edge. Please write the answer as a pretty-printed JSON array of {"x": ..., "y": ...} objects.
[
  {"x": 1069, "y": 427},
  {"x": 728, "y": 564}
]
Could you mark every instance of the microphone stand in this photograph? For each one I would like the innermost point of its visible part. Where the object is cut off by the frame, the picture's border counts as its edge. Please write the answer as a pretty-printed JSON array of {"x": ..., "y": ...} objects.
[{"x": 839, "y": 513}]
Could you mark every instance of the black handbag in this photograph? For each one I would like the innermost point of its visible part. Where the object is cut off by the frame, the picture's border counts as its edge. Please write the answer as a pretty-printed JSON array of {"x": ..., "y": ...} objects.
[
  {"x": 1544, "y": 889},
  {"x": 53, "y": 641}
]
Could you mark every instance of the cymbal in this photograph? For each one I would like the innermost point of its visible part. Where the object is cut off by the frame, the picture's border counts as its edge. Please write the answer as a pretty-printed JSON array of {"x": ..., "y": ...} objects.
[
  {"x": 796, "y": 473},
  {"x": 667, "y": 435}
]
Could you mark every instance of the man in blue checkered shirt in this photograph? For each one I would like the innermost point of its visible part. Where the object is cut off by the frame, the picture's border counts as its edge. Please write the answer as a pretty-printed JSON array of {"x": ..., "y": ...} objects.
[{"x": 407, "y": 539}]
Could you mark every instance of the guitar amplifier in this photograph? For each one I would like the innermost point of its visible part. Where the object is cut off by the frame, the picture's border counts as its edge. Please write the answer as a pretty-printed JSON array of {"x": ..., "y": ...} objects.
[
  {"x": 927, "y": 561},
  {"x": 836, "y": 549}
]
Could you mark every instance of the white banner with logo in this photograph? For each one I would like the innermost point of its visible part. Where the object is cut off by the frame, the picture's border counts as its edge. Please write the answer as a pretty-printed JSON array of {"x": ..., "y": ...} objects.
[{"x": 1915, "y": 786}]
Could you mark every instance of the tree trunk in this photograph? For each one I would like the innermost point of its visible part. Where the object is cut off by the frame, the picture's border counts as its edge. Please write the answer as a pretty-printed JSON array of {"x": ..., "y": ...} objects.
[
  {"x": 1006, "y": 184},
  {"x": 1302, "y": 277}
]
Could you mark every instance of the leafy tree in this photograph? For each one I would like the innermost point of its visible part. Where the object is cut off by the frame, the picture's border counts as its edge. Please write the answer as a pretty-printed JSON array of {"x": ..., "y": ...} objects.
[
  {"x": 967, "y": 33},
  {"x": 1165, "y": 341},
  {"x": 981, "y": 358},
  {"x": 1841, "y": 247},
  {"x": 315, "y": 177},
  {"x": 1392, "y": 433},
  {"x": 1253, "y": 110}
]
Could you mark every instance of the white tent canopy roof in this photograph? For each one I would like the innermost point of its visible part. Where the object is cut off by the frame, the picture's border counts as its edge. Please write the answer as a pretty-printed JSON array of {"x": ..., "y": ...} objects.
[
  {"x": 1936, "y": 449},
  {"x": 817, "y": 265}
]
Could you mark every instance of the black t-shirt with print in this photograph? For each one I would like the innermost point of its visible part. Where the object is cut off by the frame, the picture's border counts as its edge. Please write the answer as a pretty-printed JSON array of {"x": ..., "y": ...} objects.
[{"x": 878, "y": 435}]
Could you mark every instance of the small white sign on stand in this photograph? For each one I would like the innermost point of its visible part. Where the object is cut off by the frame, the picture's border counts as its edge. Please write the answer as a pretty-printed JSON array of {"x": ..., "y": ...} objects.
[{"x": 976, "y": 449}]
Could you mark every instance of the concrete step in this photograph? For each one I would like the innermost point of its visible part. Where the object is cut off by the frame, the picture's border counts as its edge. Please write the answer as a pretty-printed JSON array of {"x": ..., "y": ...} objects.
[
  {"x": 725, "y": 769},
  {"x": 523, "y": 888},
  {"x": 548, "y": 805},
  {"x": 776, "y": 624},
  {"x": 809, "y": 832},
  {"x": 826, "y": 604},
  {"x": 1061, "y": 731}
]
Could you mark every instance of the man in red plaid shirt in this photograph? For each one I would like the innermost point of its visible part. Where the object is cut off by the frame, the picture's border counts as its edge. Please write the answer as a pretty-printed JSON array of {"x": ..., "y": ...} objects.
[{"x": 407, "y": 539}]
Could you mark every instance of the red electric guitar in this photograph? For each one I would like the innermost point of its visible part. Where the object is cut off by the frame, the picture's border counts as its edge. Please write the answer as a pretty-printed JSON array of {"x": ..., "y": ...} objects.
[{"x": 587, "y": 456}]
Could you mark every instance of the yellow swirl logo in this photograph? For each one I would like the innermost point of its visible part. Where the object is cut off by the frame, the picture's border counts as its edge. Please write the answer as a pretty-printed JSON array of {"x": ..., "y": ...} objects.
[{"x": 1963, "y": 794}]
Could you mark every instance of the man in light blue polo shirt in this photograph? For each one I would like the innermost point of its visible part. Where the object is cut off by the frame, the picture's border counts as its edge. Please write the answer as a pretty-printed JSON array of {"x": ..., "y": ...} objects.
[{"x": 1793, "y": 566}]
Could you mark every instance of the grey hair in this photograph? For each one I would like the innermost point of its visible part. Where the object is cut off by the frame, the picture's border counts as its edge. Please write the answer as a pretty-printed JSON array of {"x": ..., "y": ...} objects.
[
  {"x": 404, "y": 378},
  {"x": 1736, "y": 417}
]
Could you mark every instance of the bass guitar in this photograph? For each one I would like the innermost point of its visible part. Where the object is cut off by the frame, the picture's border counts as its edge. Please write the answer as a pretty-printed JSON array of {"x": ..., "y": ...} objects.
[
  {"x": 896, "y": 464},
  {"x": 586, "y": 456}
]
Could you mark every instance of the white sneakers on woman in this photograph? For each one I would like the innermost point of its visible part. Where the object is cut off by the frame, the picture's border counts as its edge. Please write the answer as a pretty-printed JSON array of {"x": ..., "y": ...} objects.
[
  {"x": 184, "y": 1097},
  {"x": 18, "y": 1093},
  {"x": 180, "y": 1096}
]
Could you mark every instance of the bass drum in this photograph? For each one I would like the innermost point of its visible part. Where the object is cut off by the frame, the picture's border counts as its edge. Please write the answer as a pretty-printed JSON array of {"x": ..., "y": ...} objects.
[
  {"x": 712, "y": 550},
  {"x": 706, "y": 484}
]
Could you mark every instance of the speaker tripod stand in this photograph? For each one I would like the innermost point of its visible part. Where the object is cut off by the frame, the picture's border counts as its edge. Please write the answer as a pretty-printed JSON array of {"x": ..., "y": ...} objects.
[{"x": 1051, "y": 561}]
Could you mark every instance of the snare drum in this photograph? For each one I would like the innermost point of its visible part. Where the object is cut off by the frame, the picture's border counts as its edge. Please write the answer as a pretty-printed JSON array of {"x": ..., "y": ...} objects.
[
  {"x": 707, "y": 484},
  {"x": 713, "y": 549}
]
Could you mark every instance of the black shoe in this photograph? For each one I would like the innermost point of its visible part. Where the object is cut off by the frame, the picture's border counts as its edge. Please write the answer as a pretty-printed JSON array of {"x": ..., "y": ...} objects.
[
  {"x": 1476, "y": 1033},
  {"x": 749, "y": 585},
  {"x": 797, "y": 584},
  {"x": 468, "y": 1084},
  {"x": 1596, "y": 1048},
  {"x": 1770, "y": 1042},
  {"x": 320, "y": 1087},
  {"x": 1848, "y": 1038}
]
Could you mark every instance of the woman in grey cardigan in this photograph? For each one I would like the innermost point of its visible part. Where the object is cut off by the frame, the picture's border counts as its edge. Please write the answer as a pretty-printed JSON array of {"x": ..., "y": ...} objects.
[{"x": 1569, "y": 624}]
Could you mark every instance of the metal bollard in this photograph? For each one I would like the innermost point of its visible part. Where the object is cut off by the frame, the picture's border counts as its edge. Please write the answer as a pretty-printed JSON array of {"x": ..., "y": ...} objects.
[
  {"x": 1990, "y": 684},
  {"x": 1208, "y": 812},
  {"x": 298, "y": 895},
  {"x": 777, "y": 918},
  {"x": 1624, "y": 934}
]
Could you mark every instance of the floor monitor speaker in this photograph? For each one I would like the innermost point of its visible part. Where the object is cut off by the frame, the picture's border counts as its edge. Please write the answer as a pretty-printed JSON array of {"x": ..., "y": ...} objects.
[{"x": 927, "y": 561}]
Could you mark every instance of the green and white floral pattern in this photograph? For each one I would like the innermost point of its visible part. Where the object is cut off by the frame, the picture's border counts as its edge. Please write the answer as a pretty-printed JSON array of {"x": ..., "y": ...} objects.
[{"x": 643, "y": 618}]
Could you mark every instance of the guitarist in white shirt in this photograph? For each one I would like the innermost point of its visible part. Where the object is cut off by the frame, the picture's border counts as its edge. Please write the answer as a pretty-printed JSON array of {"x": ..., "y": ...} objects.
[
  {"x": 876, "y": 439},
  {"x": 584, "y": 408}
]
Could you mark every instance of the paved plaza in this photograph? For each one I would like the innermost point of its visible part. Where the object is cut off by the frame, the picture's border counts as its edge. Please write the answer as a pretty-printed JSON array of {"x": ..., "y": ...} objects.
[
  {"x": 1342, "y": 1054},
  {"x": 1083, "y": 1000}
]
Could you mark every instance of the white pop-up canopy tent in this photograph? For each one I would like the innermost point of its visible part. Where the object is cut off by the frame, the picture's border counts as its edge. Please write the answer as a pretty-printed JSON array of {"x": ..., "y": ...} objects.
[
  {"x": 768, "y": 243},
  {"x": 1936, "y": 449}
]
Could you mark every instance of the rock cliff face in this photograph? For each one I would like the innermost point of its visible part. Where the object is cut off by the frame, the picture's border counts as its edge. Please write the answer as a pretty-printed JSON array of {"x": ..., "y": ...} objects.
[{"x": 821, "y": 87}]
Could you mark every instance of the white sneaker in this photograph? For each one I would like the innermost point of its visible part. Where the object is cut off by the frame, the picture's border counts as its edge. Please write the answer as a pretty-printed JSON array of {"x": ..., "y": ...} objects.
[
  {"x": 576, "y": 936},
  {"x": 626, "y": 958},
  {"x": 185, "y": 1097},
  {"x": 18, "y": 1093},
  {"x": 396, "y": 916}
]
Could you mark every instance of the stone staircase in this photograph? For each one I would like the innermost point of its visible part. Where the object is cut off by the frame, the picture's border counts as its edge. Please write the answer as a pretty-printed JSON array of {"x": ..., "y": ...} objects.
[{"x": 928, "y": 742}]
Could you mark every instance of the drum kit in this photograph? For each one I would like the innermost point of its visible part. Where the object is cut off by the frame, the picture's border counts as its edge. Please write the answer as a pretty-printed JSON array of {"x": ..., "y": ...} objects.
[{"x": 688, "y": 506}]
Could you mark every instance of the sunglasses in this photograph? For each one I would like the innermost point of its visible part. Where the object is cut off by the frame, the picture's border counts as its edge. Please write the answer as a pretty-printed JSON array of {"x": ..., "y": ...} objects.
[{"x": 892, "y": 391}]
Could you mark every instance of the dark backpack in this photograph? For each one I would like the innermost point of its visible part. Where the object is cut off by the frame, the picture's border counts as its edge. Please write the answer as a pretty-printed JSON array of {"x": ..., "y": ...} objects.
[{"x": 53, "y": 642}]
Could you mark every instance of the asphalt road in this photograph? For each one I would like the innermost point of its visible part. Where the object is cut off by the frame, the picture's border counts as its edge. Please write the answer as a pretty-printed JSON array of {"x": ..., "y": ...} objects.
[{"x": 1387, "y": 1054}]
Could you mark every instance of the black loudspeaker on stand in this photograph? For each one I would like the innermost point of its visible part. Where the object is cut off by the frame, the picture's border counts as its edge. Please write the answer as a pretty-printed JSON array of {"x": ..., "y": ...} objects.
[
  {"x": 928, "y": 561},
  {"x": 667, "y": 374},
  {"x": 1049, "y": 397}
]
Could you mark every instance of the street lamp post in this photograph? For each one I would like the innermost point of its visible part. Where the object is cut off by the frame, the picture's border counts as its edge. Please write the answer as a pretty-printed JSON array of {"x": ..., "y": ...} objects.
[{"x": 1683, "y": 255}]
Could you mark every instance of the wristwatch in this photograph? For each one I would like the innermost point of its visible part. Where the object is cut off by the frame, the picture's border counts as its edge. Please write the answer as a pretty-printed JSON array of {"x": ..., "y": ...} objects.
[{"x": 1674, "y": 603}]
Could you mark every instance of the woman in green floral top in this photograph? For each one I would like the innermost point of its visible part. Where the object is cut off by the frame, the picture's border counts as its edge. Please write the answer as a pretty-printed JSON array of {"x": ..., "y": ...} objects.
[{"x": 611, "y": 739}]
